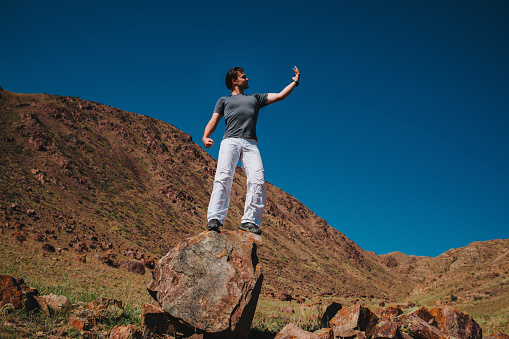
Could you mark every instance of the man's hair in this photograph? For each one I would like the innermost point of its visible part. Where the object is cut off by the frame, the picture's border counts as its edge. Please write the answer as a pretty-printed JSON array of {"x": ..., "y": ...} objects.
[{"x": 232, "y": 74}]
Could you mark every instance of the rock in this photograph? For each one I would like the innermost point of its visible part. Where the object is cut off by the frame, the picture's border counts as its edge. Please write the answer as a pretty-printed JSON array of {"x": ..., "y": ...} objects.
[
  {"x": 96, "y": 311},
  {"x": 210, "y": 282},
  {"x": 329, "y": 313},
  {"x": 48, "y": 248},
  {"x": 7, "y": 309},
  {"x": 14, "y": 291},
  {"x": 418, "y": 328},
  {"x": 134, "y": 266},
  {"x": 20, "y": 237},
  {"x": 125, "y": 332},
  {"x": 498, "y": 335},
  {"x": 392, "y": 312},
  {"x": 424, "y": 314},
  {"x": 288, "y": 310},
  {"x": 283, "y": 296},
  {"x": 53, "y": 303},
  {"x": 105, "y": 308},
  {"x": 79, "y": 322},
  {"x": 80, "y": 246},
  {"x": 38, "y": 237},
  {"x": 386, "y": 329},
  {"x": 109, "y": 262},
  {"x": 159, "y": 323},
  {"x": 455, "y": 323},
  {"x": 81, "y": 258},
  {"x": 291, "y": 331},
  {"x": 324, "y": 333},
  {"x": 149, "y": 263},
  {"x": 349, "y": 321},
  {"x": 89, "y": 335}
]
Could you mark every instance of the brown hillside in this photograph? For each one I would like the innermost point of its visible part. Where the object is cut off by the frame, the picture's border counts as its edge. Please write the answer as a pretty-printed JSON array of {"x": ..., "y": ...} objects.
[{"x": 78, "y": 171}]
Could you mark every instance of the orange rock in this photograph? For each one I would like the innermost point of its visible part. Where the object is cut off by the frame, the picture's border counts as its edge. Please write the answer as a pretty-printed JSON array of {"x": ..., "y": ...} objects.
[
  {"x": 350, "y": 321},
  {"x": 455, "y": 323},
  {"x": 80, "y": 323},
  {"x": 386, "y": 329},
  {"x": 125, "y": 332},
  {"x": 420, "y": 328},
  {"x": 424, "y": 314},
  {"x": 392, "y": 312},
  {"x": 14, "y": 291}
]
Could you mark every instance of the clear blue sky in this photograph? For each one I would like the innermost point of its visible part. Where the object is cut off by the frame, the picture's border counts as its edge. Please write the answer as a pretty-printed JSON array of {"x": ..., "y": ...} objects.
[{"x": 398, "y": 135}]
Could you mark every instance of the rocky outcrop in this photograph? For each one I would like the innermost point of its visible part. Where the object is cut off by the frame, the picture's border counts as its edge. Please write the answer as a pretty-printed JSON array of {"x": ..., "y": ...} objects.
[
  {"x": 348, "y": 322},
  {"x": 210, "y": 282},
  {"x": 14, "y": 294},
  {"x": 455, "y": 323}
]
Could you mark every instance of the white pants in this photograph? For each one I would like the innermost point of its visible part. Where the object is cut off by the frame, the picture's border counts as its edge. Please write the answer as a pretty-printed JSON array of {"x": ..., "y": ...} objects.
[{"x": 231, "y": 150}]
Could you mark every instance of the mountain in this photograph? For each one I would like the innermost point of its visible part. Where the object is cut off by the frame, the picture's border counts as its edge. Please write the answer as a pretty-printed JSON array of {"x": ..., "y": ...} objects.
[
  {"x": 85, "y": 175},
  {"x": 91, "y": 171}
]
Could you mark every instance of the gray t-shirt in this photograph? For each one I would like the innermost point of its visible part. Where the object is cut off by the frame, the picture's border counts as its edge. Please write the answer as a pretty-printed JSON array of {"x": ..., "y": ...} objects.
[{"x": 240, "y": 114}]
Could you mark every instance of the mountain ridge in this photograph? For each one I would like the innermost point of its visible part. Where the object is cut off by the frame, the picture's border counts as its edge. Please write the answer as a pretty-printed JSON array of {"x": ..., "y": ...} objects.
[
  {"x": 95, "y": 174},
  {"x": 99, "y": 164}
]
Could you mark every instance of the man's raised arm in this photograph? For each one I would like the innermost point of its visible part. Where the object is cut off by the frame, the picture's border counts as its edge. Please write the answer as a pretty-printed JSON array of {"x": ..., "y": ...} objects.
[
  {"x": 275, "y": 97},
  {"x": 209, "y": 129}
]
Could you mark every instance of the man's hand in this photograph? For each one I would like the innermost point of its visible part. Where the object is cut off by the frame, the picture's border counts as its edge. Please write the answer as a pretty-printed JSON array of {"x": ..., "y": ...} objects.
[
  {"x": 207, "y": 142},
  {"x": 209, "y": 129},
  {"x": 297, "y": 74}
]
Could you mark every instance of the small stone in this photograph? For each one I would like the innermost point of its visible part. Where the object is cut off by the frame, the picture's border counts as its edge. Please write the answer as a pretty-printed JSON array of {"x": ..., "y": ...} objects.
[
  {"x": 292, "y": 331},
  {"x": 288, "y": 310}
]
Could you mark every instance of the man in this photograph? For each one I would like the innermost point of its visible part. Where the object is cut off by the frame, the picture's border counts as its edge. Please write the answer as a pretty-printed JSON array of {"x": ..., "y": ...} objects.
[{"x": 240, "y": 142}]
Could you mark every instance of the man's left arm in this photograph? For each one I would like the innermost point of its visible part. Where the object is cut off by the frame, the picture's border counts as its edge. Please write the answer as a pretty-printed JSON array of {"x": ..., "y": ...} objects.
[{"x": 275, "y": 97}]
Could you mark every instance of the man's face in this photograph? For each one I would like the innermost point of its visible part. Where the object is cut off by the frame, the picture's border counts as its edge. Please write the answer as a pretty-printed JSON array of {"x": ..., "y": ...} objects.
[{"x": 242, "y": 80}]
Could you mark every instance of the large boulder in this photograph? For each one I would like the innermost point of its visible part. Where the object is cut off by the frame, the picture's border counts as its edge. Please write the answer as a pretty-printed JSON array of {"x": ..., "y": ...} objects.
[
  {"x": 455, "y": 323},
  {"x": 348, "y": 322},
  {"x": 211, "y": 283}
]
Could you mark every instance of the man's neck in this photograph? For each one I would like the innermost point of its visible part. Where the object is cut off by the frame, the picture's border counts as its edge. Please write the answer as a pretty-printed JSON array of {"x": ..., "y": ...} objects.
[{"x": 237, "y": 91}]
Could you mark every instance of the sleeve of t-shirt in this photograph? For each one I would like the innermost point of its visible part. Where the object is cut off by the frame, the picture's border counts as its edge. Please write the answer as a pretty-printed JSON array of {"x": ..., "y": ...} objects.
[
  {"x": 219, "y": 106},
  {"x": 262, "y": 99}
]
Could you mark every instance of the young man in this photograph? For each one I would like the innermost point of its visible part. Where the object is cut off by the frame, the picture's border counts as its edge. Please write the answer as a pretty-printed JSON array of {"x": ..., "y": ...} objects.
[{"x": 240, "y": 142}]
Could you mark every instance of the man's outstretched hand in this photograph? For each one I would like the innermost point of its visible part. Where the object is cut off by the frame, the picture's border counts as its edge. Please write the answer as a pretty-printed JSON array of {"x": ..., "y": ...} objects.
[
  {"x": 207, "y": 142},
  {"x": 297, "y": 74}
]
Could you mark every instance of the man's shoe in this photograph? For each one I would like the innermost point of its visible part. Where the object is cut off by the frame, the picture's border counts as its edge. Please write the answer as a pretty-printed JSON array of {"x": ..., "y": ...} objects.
[
  {"x": 250, "y": 227},
  {"x": 213, "y": 225}
]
